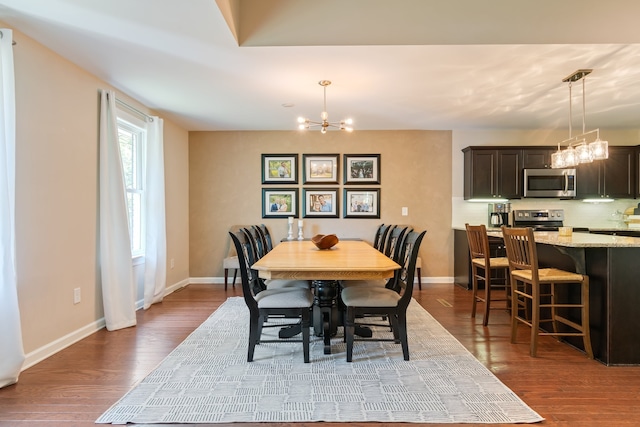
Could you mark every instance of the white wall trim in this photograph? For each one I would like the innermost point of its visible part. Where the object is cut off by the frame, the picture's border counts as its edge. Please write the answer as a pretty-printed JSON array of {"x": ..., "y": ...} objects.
[
  {"x": 60, "y": 344},
  {"x": 220, "y": 280}
]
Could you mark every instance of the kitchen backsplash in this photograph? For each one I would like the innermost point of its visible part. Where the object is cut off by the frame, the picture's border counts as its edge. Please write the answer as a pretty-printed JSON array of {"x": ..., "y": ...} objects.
[{"x": 576, "y": 213}]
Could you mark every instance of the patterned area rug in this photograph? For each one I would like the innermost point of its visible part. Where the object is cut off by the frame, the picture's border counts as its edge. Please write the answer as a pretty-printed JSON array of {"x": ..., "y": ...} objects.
[{"x": 207, "y": 379}]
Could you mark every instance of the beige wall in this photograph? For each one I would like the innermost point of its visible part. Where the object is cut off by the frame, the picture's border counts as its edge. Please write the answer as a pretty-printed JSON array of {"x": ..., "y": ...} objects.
[
  {"x": 57, "y": 197},
  {"x": 225, "y": 189}
]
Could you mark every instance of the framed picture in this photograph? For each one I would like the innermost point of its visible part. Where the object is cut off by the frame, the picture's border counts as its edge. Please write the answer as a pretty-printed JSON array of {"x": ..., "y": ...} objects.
[
  {"x": 362, "y": 168},
  {"x": 362, "y": 203},
  {"x": 279, "y": 202},
  {"x": 279, "y": 168},
  {"x": 321, "y": 168},
  {"x": 320, "y": 203}
]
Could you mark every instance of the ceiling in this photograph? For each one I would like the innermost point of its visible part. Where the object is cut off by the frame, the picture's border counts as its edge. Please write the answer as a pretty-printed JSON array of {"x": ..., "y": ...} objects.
[{"x": 394, "y": 64}]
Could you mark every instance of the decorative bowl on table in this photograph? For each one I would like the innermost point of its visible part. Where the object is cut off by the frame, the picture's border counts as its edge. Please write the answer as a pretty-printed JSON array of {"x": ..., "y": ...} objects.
[{"x": 325, "y": 241}]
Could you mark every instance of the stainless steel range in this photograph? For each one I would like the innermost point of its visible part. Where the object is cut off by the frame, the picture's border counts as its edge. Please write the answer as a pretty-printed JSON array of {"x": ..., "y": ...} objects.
[{"x": 539, "y": 219}]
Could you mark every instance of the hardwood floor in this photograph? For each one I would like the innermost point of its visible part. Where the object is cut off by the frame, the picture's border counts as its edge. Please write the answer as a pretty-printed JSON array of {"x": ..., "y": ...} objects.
[{"x": 73, "y": 387}]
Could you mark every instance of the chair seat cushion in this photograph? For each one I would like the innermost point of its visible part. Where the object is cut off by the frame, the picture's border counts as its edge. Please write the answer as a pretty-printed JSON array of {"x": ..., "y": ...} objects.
[
  {"x": 287, "y": 284},
  {"x": 367, "y": 296},
  {"x": 549, "y": 275},
  {"x": 284, "y": 298},
  {"x": 380, "y": 283},
  {"x": 498, "y": 262},
  {"x": 231, "y": 262}
]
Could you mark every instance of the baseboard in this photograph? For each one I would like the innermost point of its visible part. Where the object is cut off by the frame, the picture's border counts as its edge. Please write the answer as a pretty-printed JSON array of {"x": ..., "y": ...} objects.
[
  {"x": 220, "y": 280},
  {"x": 60, "y": 344}
]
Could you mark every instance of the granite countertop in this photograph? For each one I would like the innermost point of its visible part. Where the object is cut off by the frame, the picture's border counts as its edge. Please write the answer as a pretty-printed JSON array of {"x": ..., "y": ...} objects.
[{"x": 580, "y": 240}]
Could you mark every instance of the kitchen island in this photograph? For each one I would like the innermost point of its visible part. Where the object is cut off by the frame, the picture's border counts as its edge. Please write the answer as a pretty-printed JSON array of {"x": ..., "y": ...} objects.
[{"x": 613, "y": 266}]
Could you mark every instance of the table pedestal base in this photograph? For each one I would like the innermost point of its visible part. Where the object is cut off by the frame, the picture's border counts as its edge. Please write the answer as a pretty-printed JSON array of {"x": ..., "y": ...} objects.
[{"x": 325, "y": 310}]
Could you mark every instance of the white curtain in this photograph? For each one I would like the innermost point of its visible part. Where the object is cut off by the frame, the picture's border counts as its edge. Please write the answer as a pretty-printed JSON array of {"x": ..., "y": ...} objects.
[
  {"x": 11, "y": 350},
  {"x": 155, "y": 267},
  {"x": 118, "y": 289}
]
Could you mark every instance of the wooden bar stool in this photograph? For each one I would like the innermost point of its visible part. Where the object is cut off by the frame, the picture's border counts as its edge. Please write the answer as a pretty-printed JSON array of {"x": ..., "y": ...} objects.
[
  {"x": 483, "y": 268},
  {"x": 523, "y": 265}
]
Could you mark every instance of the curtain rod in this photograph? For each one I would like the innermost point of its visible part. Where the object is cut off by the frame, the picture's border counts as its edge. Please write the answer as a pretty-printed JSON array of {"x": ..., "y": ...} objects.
[
  {"x": 13, "y": 42},
  {"x": 135, "y": 110}
]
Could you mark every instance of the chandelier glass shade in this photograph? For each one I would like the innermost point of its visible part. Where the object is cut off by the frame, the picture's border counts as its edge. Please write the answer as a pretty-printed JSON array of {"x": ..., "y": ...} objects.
[
  {"x": 324, "y": 123},
  {"x": 578, "y": 149}
]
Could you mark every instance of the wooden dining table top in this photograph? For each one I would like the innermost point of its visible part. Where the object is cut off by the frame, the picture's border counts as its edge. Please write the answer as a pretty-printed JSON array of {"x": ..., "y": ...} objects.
[{"x": 347, "y": 260}]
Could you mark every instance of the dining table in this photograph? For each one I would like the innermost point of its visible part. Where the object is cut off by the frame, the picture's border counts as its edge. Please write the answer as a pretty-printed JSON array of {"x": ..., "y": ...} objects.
[{"x": 325, "y": 268}]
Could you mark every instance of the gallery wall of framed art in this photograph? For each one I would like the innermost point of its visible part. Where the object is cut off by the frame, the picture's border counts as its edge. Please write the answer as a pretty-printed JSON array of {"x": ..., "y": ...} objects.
[{"x": 357, "y": 198}]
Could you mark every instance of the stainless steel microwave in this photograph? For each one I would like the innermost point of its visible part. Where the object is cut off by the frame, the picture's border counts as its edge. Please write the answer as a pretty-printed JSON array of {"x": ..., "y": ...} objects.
[{"x": 558, "y": 183}]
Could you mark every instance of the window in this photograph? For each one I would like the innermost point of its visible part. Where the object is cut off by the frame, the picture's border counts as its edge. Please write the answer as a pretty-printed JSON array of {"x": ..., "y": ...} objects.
[{"x": 132, "y": 136}]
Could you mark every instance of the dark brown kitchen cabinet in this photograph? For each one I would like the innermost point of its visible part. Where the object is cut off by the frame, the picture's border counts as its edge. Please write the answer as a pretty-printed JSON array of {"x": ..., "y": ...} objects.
[
  {"x": 611, "y": 178},
  {"x": 492, "y": 173},
  {"x": 537, "y": 158}
]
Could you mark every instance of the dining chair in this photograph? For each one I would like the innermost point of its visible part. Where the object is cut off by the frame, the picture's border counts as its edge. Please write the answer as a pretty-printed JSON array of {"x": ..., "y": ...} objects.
[
  {"x": 493, "y": 273},
  {"x": 418, "y": 272},
  {"x": 259, "y": 246},
  {"x": 362, "y": 302},
  {"x": 230, "y": 262},
  {"x": 393, "y": 253},
  {"x": 572, "y": 310},
  {"x": 267, "y": 305}
]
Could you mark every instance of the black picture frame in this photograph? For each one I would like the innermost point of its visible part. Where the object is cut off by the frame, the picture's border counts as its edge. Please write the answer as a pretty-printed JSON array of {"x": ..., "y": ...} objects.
[
  {"x": 274, "y": 199},
  {"x": 361, "y": 203},
  {"x": 361, "y": 169},
  {"x": 320, "y": 203},
  {"x": 280, "y": 168},
  {"x": 321, "y": 168}
]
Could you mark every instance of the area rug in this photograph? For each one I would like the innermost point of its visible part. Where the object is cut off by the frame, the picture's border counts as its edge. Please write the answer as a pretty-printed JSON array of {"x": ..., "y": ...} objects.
[{"x": 207, "y": 379}]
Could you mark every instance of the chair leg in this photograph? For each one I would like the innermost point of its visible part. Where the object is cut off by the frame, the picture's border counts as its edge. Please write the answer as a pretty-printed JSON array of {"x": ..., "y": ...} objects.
[
  {"x": 487, "y": 296},
  {"x": 535, "y": 320},
  {"x": 235, "y": 274},
  {"x": 554, "y": 309},
  {"x": 254, "y": 335},
  {"x": 586, "y": 327},
  {"x": 349, "y": 331},
  {"x": 419, "y": 278},
  {"x": 306, "y": 324},
  {"x": 226, "y": 278},
  {"x": 402, "y": 326},
  {"x": 474, "y": 293},
  {"x": 515, "y": 298}
]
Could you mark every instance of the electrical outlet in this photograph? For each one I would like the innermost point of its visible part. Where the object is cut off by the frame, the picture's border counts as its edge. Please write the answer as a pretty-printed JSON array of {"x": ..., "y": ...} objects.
[
  {"x": 76, "y": 296},
  {"x": 405, "y": 211},
  {"x": 173, "y": 263}
]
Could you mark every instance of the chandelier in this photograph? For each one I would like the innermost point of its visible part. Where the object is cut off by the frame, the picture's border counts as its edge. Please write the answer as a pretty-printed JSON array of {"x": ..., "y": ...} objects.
[
  {"x": 325, "y": 123},
  {"x": 578, "y": 149}
]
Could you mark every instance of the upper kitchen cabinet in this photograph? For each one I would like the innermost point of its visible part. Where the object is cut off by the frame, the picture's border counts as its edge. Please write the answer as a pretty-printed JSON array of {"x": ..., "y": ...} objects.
[
  {"x": 611, "y": 178},
  {"x": 537, "y": 158},
  {"x": 492, "y": 172}
]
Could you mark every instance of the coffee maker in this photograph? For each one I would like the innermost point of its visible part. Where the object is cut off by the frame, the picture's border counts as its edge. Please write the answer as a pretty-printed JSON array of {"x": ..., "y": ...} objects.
[{"x": 499, "y": 214}]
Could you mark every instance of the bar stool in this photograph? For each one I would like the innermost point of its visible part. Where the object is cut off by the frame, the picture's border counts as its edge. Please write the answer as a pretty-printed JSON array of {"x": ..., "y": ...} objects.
[
  {"x": 483, "y": 268},
  {"x": 523, "y": 265}
]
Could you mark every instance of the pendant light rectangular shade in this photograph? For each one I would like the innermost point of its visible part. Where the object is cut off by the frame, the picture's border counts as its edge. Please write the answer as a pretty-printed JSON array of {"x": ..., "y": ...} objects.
[{"x": 599, "y": 149}]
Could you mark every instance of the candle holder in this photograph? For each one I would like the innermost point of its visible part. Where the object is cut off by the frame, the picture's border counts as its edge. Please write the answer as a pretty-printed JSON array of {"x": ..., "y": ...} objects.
[
  {"x": 300, "y": 236},
  {"x": 290, "y": 232}
]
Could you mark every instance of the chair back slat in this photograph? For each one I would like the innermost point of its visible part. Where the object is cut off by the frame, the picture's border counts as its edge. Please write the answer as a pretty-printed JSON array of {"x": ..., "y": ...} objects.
[
  {"x": 478, "y": 241},
  {"x": 267, "y": 237},
  {"x": 394, "y": 236},
  {"x": 521, "y": 249}
]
